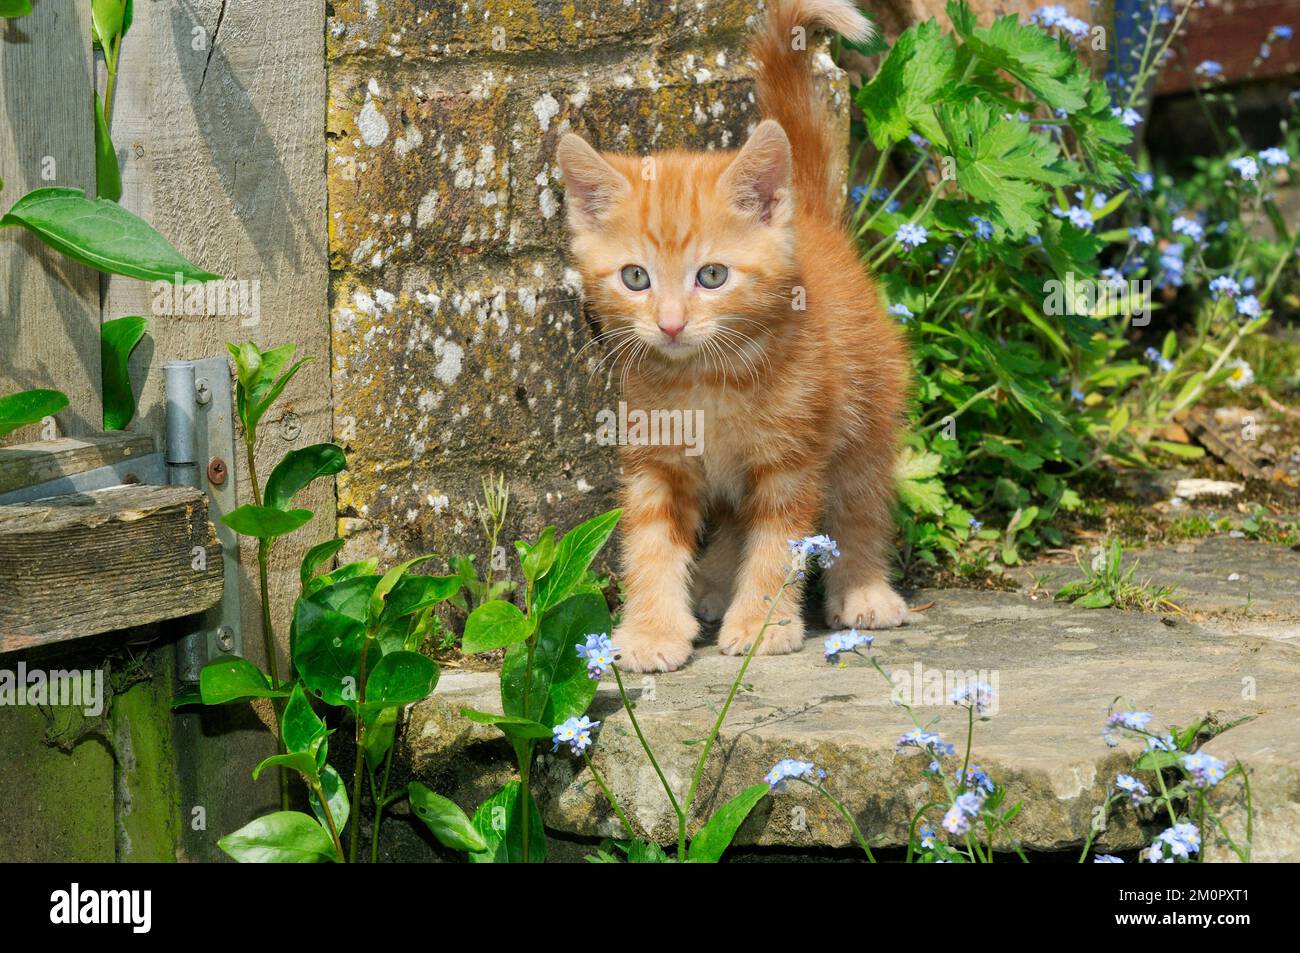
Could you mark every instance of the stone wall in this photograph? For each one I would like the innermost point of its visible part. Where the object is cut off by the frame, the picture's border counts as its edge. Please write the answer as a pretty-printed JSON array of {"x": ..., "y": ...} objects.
[{"x": 458, "y": 336}]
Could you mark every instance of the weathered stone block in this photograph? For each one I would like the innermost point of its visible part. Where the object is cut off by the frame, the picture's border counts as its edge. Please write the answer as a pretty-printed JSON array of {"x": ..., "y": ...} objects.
[
  {"x": 415, "y": 171},
  {"x": 424, "y": 29},
  {"x": 438, "y": 380}
]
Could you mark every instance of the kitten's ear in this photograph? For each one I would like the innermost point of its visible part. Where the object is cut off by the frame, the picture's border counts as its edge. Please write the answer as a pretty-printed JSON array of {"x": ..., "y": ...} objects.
[
  {"x": 592, "y": 186},
  {"x": 758, "y": 179}
]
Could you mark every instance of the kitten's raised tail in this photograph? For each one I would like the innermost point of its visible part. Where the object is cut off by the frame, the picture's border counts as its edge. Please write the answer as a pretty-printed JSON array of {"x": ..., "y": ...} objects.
[{"x": 786, "y": 92}]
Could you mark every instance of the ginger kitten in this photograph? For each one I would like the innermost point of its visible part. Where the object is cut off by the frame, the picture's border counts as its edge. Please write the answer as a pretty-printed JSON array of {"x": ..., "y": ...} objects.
[{"x": 730, "y": 286}]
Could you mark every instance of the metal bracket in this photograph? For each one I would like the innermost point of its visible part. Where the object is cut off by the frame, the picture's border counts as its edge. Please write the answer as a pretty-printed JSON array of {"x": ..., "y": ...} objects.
[
  {"x": 200, "y": 452},
  {"x": 148, "y": 468}
]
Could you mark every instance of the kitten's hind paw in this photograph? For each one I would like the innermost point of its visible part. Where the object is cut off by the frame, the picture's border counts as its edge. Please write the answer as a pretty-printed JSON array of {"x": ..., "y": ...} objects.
[{"x": 874, "y": 606}]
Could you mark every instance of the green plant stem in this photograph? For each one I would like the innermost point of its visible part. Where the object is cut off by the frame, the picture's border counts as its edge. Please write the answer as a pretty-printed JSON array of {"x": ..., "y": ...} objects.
[
  {"x": 845, "y": 813},
  {"x": 110, "y": 63},
  {"x": 920, "y": 164},
  {"x": 525, "y": 751},
  {"x": 1095, "y": 829},
  {"x": 359, "y": 762},
  {"x": 380, "y": 796},
  {"x": 329, "y": 818},
  {"x": 1149, "y": 64},
  {"x": 609, "y": 796},
  {"x": 717, "y": 724},
  {"x": 645, "y": 745},
  {"x": 268, "y": 629},
  {"x": 965, "y": 406},
  {"x": 525, "y": 795}
]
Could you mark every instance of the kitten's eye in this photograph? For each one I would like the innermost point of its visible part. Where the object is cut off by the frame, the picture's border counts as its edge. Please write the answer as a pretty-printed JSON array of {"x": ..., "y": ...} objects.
[
  {"x": 712, "y": 276},
  {"x": 635, "y": 277}
]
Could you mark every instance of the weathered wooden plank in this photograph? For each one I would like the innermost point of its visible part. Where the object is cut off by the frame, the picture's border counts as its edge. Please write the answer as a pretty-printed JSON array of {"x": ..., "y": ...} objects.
[
  {"x": 74, "y": 566},
  {"x": 49, "y": 306},
  {"x": 219, "y": 120},
  {"x": 32, "y": 463}
]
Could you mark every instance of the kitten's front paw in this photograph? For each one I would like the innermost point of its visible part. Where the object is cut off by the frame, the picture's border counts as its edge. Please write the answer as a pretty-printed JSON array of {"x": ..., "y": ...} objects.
[
  {"x": 740, "y": 629},
  {"x": 874, "y": 606},
  {"x": 644, "y": 648}
]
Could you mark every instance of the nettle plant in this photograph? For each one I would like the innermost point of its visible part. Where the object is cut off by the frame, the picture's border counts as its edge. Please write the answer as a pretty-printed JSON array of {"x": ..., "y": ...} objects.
[
  {"x": 1016, "y": 242},
  {"x": 354, "y": 648}
]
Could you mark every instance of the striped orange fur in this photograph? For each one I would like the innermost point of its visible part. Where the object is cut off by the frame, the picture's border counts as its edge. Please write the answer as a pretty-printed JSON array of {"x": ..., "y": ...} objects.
[{"x": 799, "y": 373}]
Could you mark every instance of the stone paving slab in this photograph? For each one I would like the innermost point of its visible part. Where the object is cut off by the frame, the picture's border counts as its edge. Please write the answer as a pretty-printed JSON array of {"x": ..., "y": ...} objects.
[
  {"x": 1057, "y": 669},
  {"x": 1226, "y": 584}
]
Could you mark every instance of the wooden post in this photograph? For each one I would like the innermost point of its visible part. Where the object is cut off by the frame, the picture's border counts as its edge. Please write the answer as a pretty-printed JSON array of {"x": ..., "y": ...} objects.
[{"x": 49, "y": 306}]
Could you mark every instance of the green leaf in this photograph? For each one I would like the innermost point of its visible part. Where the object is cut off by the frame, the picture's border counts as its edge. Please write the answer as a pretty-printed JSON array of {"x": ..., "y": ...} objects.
[
  {"x": 399, "y": 678},
  {"x": 386, "y": 584},
  {"x": 349, "y": 596},
  {"x": 1024, "y": 51},
  {"x": 108, "y": 178},
  {"x": 513, "y": 727},
  {"x": 300, "y": 727},
  {"x": 316, "y": 557},
  {"x": 297, "y": 469},
  {"x": 1157, "y": 760},
  {"x": 572, "y": 557},
  {"x": 15, "y": 8},
  {"x": 265, "y": 522},
  {"x": 117, "y": 339},
  {"x": 285, "y": 837},
  {"x": 327, "y": 651},
  {"x": 351, "y": 572},
  {"x": 445, "y": 820},
  {"x": 560, "y": 688},
  {"x": 416, "y": 593},
  {"x": 641, "y": 852},
  {"x": 901, "y": 95},
  {"x": 713, "y": 839},
  {"x": 493, "y": 625},
  {"x": 29, "y": 407},
  {"x": 1001, "y": 161},
  {"x": 266, "y": 393},
  {"x": 101, "y": 234},
  {"x": 336, "y": 796},
  {"x": 539, "y": 558},
  {"x": 499, "y": 821},
  {"x": 108, "y": 18},
  {"x": 381, "y": 730},
  {"x": 234, "y": 679},
  {"x": 1185, "y": 450},
  {"x": 300, "y": 761}
]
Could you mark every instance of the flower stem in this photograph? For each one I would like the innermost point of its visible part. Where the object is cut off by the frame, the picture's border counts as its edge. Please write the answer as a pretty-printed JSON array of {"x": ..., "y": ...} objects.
[
  {"x": 609, "y": 796},
  {"x": 717, "y": 724}
]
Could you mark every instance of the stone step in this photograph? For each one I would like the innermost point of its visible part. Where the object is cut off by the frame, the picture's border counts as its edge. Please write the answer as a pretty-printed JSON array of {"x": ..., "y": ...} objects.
[{"x": 1057, "y": 669}]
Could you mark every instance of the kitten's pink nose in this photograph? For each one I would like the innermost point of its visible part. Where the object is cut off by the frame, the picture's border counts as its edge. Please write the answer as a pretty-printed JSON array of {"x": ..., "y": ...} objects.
[{"x": 672, "y": 325}]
